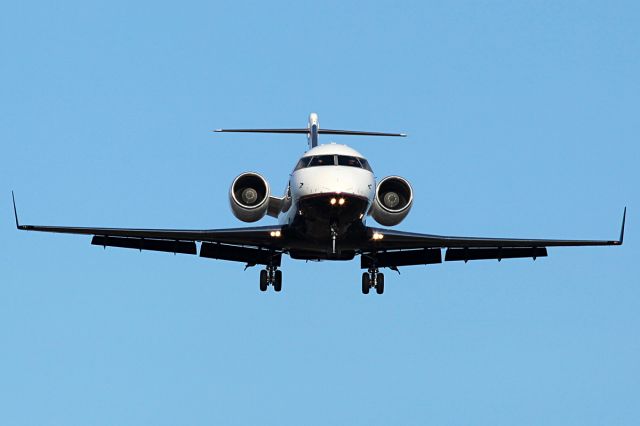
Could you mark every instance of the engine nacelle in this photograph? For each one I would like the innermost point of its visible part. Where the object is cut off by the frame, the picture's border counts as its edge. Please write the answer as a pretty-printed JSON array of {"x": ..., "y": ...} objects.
[
  {"x": 393, "y": 201},
  {"x": 249, "y": 197}
]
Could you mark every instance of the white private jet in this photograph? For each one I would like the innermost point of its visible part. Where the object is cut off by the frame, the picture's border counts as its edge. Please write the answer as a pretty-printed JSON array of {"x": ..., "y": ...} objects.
[{"x": 322, "y": 216}]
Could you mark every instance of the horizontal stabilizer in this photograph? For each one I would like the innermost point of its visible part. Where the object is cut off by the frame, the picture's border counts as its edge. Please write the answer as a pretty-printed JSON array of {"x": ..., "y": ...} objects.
[
  {"x": 305, "y": 131},
  {"x": 359, "y": 133},
  {"x": 312, "y": 131},
  {"x": 292, "y": 131}
]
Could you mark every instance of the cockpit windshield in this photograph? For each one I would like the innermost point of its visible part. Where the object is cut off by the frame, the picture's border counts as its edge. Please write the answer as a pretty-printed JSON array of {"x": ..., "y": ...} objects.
[
  {"x": 365, "y": 164},
  {"x": 304, "y": 162},
  {"x": 333, "y": 160},
  {"x": 345, "y": 160},
  {"x": 322, "y": 160}
]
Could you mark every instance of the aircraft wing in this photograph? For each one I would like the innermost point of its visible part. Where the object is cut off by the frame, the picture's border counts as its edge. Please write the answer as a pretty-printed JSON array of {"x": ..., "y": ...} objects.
[
  {"x": 259, "y": 236},
  {"x": 390, "y": 248},
  {"x": 251, "y": 245}
]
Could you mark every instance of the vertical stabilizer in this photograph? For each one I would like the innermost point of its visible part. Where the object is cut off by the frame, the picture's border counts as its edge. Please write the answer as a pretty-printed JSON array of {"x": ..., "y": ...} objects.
[{"x": 314, "y": 127}]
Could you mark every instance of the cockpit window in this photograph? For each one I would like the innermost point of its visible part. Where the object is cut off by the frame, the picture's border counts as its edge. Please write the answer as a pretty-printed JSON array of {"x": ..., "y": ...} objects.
[
  {"x": 322, "y": 160},
  {"x": 304, "y": 162},
  {"x": 365, "y": 164},
  {"x": 344, "y": 160},
  {"x": 333, "y": 160}
]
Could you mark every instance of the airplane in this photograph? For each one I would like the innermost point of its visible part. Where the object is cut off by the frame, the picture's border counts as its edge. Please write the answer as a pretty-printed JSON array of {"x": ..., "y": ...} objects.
[{"x": 322, "y": 216}]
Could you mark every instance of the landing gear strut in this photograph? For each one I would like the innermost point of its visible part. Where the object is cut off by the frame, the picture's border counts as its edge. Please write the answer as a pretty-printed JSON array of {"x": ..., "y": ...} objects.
[
  {"x": 372, "y": 279},
  {"x": 334, "y": 236},
  {"x": 271, "y": 275}
]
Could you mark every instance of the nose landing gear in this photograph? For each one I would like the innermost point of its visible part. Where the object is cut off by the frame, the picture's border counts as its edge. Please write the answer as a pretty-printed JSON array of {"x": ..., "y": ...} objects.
[
  {"x": 372, "y": 279},
  {"x": 334, "y": 235},
  {"x": 271, "y": 276}
]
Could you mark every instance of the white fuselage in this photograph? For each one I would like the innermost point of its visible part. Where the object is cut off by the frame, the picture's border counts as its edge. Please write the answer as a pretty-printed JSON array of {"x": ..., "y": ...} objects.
[{"x": 316, "y": 180}]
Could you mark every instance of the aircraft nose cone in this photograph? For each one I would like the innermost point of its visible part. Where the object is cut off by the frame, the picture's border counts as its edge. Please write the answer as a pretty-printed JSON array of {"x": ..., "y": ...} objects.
[{"x": 339, "y": 185}]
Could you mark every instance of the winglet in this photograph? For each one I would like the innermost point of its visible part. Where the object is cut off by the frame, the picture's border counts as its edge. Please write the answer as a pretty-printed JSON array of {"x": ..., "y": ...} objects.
[
  {"x": 624, "y": 218},
  {"x": 15, "y": 212}
]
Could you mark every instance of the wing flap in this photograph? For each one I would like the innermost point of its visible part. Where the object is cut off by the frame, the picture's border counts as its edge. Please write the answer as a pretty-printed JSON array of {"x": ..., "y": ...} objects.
[
  {"x": 250, "y": 256},
  {"x": 401, "y": 258},
  {"x": 184, "y": 247},
  {"x": 466, "y": 254}
]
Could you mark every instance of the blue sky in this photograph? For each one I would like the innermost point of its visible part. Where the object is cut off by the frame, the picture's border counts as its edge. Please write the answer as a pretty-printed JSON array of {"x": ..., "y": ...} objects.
[{"x": 522, "y": 120}]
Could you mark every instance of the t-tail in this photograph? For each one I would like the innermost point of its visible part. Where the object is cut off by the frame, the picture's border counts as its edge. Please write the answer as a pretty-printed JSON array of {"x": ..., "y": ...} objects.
[
  {"x": 312, "y": 131},
  {"x": 314, "y": 128}
]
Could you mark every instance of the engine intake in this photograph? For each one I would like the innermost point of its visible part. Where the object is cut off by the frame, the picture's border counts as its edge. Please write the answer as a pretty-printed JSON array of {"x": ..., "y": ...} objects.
[
  {"x": 249, "y": 197},
  {"x": 394, "y": 198}
]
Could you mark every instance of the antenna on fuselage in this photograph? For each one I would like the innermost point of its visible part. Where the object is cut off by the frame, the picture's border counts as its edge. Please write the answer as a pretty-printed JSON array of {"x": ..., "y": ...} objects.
[{"x": 312, "y": 131}]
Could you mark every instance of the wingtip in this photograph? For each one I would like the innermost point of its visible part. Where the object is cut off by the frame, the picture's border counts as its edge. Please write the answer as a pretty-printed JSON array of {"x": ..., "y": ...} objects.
[
  {"x": 624, "y": 219},
  {"x": 15, "y": 211}
]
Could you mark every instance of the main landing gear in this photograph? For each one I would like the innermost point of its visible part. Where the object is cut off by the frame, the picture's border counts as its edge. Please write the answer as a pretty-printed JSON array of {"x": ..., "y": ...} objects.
[
  {"x": 271, "y": 275},
  {"x": 372, "y": 279}
]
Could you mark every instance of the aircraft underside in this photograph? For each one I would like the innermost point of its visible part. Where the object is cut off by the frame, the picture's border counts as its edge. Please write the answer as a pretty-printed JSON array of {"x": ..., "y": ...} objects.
[{"x": 327, "y": 226}]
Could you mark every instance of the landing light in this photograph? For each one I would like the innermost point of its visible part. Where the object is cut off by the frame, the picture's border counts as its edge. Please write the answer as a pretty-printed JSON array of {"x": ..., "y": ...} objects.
[
  {"x": 341, "y": 201},
  {"x": 333, "y": 201},
  {"x": 377, "y": 236},
  {"x": 275, "y": 234}
]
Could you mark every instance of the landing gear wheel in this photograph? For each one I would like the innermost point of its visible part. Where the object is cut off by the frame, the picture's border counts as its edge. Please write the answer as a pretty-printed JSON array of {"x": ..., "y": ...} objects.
[
  {"x": 366, "y": 283},
  {"x": 264, "y": 282},
  {"x": 380, "y": 283},
  {"x": 277, "y": 281}
]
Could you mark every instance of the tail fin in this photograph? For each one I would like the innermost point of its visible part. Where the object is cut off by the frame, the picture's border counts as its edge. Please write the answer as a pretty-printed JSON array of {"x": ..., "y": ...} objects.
[{"x": 312, "y": 131}]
